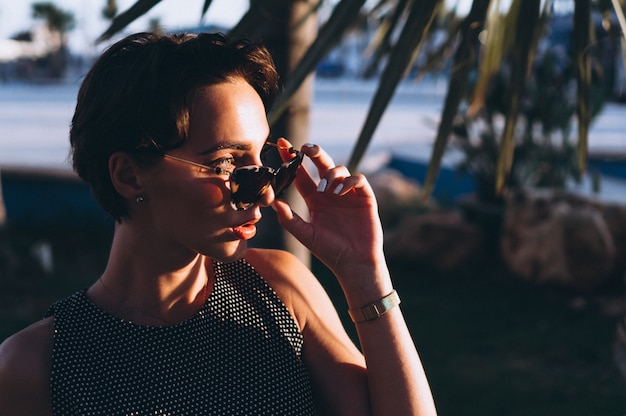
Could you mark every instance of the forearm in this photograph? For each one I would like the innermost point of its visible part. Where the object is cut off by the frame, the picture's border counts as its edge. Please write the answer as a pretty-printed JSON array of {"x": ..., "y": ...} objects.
[
  {"x": 396, "y": 379},
  {"x": 345, "y": 233}
]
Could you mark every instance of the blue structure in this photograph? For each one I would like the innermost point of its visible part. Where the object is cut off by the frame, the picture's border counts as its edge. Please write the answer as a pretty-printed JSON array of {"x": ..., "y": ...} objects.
[{"x": 41, "y": 198}]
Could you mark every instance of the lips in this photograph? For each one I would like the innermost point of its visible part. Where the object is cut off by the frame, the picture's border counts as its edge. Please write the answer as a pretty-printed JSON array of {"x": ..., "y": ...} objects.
[{"x": 246, "y": 230}]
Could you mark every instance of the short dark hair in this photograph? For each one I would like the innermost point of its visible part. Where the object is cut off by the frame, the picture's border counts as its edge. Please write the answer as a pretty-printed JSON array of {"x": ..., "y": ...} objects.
[{"x": 139, "y": 91}]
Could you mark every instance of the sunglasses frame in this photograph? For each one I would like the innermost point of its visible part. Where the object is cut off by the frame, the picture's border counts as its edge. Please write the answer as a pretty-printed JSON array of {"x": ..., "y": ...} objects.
[{"x": 236, "y": 185}]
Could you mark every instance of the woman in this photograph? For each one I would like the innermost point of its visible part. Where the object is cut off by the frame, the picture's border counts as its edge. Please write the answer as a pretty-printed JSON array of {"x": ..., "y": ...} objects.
[{"x": 186, "y": 319}]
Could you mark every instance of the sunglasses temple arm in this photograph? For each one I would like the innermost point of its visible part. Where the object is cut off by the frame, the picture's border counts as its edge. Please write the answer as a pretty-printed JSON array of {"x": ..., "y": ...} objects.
[{"x": 289, "y": 149}]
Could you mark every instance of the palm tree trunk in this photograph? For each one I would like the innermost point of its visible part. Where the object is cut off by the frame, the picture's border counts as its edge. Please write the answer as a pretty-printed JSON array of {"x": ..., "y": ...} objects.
[{"x": 288, "y": 34}]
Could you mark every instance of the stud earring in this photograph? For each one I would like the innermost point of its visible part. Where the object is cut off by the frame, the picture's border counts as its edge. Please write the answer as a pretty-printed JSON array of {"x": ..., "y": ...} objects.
[{"x": 139, "y": 199}]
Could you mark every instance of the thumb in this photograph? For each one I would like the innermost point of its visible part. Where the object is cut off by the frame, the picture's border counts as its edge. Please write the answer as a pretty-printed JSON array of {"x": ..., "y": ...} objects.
[{"x": 291, "y": 221}]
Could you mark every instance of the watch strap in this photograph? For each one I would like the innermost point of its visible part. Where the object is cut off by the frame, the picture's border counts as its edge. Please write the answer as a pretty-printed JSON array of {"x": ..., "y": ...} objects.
[{"x": 375, "y": 310}]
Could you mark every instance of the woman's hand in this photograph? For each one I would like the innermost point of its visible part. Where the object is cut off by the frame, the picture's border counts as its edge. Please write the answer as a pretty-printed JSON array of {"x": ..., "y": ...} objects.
[{"x": 344, "y": 231}]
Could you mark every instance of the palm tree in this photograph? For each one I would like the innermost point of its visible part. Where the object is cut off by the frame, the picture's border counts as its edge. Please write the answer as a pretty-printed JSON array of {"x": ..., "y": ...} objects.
[
  {"x": 511, "y": 36},
  {"x": 478, "y": 44},
  {"x": 288, "y": 34},
  {"x": 58, "y": 22}
]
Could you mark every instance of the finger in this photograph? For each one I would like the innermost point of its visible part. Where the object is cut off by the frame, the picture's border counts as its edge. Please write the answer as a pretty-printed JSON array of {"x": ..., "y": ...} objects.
[
  {"x": 284, "y": 149},
  {"x": 332, "y": 177},
  {"x": 347, "y": 184},
  {"x": 291, "y": 221},
  {"x": 303, "y": 181},
  {"x": 342, "y": 186},
  {"x": 326, "y": 169},
  {"x": 322, "y": 160}
]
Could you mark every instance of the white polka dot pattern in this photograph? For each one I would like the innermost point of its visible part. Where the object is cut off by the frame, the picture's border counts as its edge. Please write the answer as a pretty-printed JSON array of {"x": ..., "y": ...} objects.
[{"x": 239, "y": 355}]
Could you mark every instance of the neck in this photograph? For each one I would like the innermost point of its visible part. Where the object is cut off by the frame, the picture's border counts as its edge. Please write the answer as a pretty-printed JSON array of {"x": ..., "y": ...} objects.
[{"x": 154, "y": 298}]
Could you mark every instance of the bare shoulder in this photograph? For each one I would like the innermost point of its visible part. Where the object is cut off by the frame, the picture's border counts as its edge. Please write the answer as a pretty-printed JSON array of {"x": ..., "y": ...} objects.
[
  {"x": 300, "y": 291},
  {"x": 329, "y": 354},
  {"x": 28, "y": 348},
  {"x": 292, "y": 280},
  {"x": 281, "y": 268},
  {"x": 25, "y": 365},
  {"x": 275, "y": 264}
]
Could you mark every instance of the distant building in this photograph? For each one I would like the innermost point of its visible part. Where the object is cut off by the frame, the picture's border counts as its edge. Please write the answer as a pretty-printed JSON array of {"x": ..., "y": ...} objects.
[
  {"x": 22, "y": 55},
  {"x": 29, "y": 45}
]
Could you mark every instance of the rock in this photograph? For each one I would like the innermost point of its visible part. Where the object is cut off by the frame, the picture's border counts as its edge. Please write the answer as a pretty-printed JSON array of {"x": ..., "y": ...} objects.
[
  {"x": 552, "y": 237},
  {"x": 619, "y": 347},
  {"x": 392, "y": 188},
  {"x": 441, "y": 241},
  {"x": 615, "y": 217},
  {"x": 395, "y": 194}
]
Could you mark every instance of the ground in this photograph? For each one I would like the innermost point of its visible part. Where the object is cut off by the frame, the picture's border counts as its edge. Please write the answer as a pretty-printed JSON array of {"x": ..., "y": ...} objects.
[{"x": 491, "y": 344}]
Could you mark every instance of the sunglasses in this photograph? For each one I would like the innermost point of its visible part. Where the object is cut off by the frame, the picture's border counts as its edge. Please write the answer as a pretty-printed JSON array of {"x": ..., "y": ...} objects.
[{"x": 248, "y": 184}]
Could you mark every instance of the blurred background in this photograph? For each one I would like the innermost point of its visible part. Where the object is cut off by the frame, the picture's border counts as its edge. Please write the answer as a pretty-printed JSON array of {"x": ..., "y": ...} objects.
[{"x": 492, "y": 132}]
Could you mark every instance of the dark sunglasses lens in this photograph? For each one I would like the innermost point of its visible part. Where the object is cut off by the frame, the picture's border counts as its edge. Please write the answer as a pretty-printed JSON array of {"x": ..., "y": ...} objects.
[
  {"x": 248, "y": 184},
  {"x": 286, "y": 174}
]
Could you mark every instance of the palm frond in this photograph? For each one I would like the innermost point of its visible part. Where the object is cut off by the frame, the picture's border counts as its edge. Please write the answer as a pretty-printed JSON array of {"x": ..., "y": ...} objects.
[
  {"x": 498, "y": 41},
  {"x": 464, "y": 59},
  {"x": 205, "y": 7},
  {"x": 582, "y": 31},
  {"x": 439, "y": 56},
  {"x": 344, "y": 13},
  {"x": 619, "y": 12},
  {"x": 381, "y": 41},
  {"x": 417, "y": 23},
  {"x": 122, "y": 20},
  {"x": 526, "y": 19}
]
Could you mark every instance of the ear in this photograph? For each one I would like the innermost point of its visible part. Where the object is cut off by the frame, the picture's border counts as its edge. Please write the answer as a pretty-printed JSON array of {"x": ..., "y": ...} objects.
[{"x": 124, "y": 175}]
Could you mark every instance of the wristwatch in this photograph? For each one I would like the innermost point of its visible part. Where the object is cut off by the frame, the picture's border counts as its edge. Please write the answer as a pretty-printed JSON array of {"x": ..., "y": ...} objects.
[{"x": 375, "y": 310}]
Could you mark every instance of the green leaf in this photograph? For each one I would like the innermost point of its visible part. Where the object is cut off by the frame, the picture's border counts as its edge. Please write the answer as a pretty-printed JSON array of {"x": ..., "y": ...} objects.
[
  {"x": 381, "y": 41},
  {"x": 619, "y": 12},
  {"x": 581, "y": 43},
  {"x": 417, "y": 23},
  {"x": 526, "y": 18},
  {"x": 500, "y": 35},
  {"x": 344, "y": 13},
  {"x": 464, "y": 59},
  {"x": 438, "y": 58},
  {"x": 122, "y": 20},
  {"x": 205, "y": 7}
]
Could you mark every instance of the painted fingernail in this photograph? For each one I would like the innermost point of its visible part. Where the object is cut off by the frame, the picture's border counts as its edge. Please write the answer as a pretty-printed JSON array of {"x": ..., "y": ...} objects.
[
  {"x": 309, "y": 145},
  {"x": 338, "y": 189},
  {"x": 321, "y": 187}
]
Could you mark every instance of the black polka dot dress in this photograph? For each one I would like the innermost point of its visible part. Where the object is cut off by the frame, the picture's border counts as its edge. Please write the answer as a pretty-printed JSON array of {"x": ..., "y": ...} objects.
[{"x": 239, "y": 355}]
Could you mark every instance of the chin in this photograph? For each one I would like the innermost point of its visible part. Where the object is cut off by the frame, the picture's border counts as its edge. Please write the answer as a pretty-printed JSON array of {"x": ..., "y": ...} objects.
[{"x": 230, "y": 252}]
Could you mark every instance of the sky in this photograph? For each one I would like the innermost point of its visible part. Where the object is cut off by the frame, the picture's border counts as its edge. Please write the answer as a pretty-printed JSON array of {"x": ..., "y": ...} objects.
[{"x": 15, "y": 15}]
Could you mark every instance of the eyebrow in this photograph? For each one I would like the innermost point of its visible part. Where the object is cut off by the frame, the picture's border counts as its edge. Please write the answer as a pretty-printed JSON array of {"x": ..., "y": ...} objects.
[
  {"x": 222, "y": 146},
  {"x": 230, "y": 145}
]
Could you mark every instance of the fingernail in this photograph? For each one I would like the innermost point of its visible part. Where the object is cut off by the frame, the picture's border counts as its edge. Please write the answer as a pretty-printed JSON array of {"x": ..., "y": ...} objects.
[
  {"x": 338, "y": 189},
  {"x": 311, "y": 145},
  {"x": 321, "y": 187}
]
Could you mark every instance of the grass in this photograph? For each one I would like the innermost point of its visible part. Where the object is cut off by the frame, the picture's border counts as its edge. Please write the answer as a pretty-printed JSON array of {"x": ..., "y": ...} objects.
[
  {"x": 490, "y": 343},
  {"x": 498, "y": 347}
]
